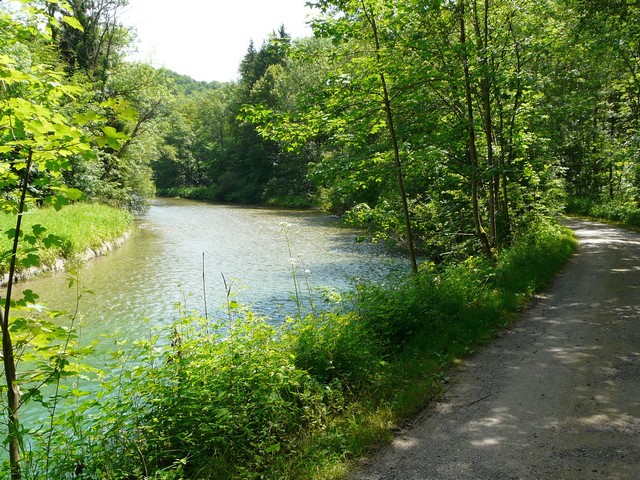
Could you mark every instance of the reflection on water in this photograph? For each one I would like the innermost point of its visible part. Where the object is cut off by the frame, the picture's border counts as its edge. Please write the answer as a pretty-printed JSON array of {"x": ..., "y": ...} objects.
[{"x": 162, "y": 265}]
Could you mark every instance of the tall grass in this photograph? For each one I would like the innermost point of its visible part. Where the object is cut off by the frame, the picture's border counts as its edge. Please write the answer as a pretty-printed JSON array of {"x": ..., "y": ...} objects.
[
  {"x": 79, "y": 226},
  {"x": 243, "y": 399}
]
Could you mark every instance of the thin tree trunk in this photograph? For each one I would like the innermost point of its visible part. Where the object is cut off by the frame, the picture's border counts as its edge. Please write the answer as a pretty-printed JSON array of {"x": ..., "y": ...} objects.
[
  {"x": 512, "y": 123},
  {"x": 13, "y": 390},
  {"x": 472, "y": 150},
  {"x": 482, "y": 41},
  {"x": 394, "y": 140}
]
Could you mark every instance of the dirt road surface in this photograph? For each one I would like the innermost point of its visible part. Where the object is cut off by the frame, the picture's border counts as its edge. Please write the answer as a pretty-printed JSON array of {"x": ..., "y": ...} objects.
[{"x": 555, "y": 397}]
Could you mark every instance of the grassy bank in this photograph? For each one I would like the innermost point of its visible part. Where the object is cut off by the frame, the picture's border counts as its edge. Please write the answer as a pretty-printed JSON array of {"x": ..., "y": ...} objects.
[
  {"x": 625, "y": 213},
  {"x": 75, "y": 228},
  {"x": 241, "y": 398},
  {"x": 212, "y": 194}
]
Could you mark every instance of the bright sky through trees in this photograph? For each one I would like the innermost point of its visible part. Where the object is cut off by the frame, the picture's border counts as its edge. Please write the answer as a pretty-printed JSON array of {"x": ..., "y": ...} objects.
[{"x": 206, "y": 39}]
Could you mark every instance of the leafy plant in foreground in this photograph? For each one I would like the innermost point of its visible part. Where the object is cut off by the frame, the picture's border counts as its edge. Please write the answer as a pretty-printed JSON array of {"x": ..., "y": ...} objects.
[
  {"x": 38, "y": 139},
  {"x": 208, "y": 402}
]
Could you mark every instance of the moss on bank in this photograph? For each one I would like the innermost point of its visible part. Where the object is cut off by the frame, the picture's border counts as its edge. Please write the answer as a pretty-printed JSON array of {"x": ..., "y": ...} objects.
[{"x": 76, "y": 228}]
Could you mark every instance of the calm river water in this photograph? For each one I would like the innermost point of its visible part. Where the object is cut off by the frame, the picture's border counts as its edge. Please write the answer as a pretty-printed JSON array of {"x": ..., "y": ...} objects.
[{"x": 162, "y": 265}]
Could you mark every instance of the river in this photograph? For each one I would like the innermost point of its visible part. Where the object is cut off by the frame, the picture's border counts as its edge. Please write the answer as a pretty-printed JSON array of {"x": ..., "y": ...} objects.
[{"x": 137, "y": 286}]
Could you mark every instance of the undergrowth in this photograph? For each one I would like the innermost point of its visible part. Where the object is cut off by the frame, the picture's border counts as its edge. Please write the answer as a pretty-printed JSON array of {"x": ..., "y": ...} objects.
[
  {"x": 243, "y": 399},
  {"x": 213, "y": 194},
  {"x": 618, "y": 211}
]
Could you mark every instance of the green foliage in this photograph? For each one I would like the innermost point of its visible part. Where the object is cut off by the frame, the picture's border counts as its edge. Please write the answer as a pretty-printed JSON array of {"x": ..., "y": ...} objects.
[
  {"x": 623, "y": 211},
  {"x": 187, "y": 86},
  {"x": 338, "y": 350},
  {"x": 499, "y": 110},
  {"x": 245, "y": 399},
  {"x": 533, "y": 260},
  {"x": 209, "y": 194},
  {"x": 41, "y": 134},
  {"x": 218, "y": 401},
  {"x": 211, "y": 140}
]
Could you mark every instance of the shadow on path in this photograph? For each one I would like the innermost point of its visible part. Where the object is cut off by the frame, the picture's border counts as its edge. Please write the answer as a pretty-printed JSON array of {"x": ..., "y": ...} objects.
[{"x": 555, "y": 397}]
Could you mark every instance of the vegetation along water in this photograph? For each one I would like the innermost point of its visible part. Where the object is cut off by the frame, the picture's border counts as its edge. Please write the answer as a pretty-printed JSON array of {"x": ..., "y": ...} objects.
[{"x": 454, "y": 132}]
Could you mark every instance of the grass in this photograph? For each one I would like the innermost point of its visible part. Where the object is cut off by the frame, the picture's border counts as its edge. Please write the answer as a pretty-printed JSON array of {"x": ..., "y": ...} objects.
[
  {"x": 617, "y": 211},
  {"x": 79, "y": 227},
  {"x": 242, "y": 399}
]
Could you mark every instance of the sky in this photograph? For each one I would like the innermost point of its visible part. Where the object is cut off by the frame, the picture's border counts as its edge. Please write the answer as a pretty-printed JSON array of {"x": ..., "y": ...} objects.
[{"x": 207, "y": 39}]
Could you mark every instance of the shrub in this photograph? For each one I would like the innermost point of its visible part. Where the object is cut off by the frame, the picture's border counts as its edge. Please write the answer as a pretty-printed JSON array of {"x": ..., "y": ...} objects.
[
  {"x": 217, "y": 401},
  {"x": 533, "y": 259},
  {"x": 337, "y": 348},
  {"x": 619, "y": 210}
]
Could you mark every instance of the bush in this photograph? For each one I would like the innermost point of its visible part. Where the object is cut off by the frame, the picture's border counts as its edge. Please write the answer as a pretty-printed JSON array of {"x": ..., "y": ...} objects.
[
  {"x": 579, "y": 206},
  {"x": 619, "y": 210},
  {"x": 533, "y": 259},
  {"x": 208, "y": 194},
  {"x": 217, "y": 401},
  {"x": 337, "y": 348}
]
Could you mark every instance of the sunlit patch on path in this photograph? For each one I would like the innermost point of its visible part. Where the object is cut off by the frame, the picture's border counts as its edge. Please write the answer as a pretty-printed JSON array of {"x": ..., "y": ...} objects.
[{"x": 557, "y": 397}]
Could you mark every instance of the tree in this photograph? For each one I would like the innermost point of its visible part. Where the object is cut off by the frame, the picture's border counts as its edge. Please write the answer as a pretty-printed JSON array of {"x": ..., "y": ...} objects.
[
  {"x": 37, "y": 141},
  {"x": 596, "y": 130},
  {"x": 249, "y": 158},
  {"x": 366, "y": 69},
  {"x": 92, "y": 44},
  {"x": 130, "y": 96}
]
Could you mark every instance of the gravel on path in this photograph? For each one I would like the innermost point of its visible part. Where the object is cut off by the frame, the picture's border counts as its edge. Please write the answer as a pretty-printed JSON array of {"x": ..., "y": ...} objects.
[{"x": 557, "y": 396}]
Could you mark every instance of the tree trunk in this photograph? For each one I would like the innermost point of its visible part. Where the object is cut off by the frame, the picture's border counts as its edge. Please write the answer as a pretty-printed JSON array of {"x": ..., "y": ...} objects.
[
  {"x": 472, "y": 151},
  {"x": 394, "y": 141},
  {"x": 14, "y": 395}
]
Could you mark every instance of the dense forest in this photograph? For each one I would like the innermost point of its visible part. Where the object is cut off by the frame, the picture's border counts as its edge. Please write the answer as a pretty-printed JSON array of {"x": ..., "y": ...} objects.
[
  {"x": 442, "y": 126},
  {"x": 456, "y": 130}
]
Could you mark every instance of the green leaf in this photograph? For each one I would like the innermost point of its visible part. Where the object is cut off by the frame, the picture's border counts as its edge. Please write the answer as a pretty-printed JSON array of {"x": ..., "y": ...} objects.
[
  {"x": 73, "y": 22},
  {"x": 273, "y": 448},
  {"x": 52, "y": 241},
  {"x": 30, "y": 239},
  {"x": 31, "y": 260},
  {"x": 113, "y": 133},
  {"x": 84, "y": 118},
  {"x": 59, "y": 201},
  {"x": 30, "y": 296},
  {"x": 72, "y": 194},
  {"x": 38, "y": 229}
]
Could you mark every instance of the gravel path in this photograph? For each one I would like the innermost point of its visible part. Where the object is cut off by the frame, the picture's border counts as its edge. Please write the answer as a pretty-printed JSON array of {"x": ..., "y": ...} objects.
[{"x": 555, "y": 397}]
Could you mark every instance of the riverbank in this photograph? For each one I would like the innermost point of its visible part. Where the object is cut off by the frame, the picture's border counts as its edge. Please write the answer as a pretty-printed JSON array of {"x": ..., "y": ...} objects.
[
  {"x": 54, "y": 240},
  {"x": 246, "y": 399},
  {"x": 211, "y": 194}
]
